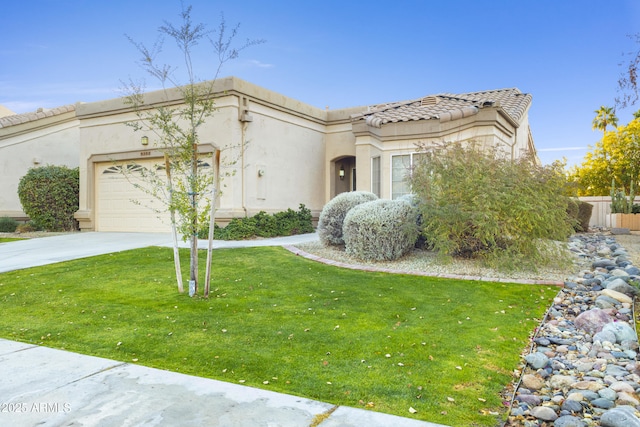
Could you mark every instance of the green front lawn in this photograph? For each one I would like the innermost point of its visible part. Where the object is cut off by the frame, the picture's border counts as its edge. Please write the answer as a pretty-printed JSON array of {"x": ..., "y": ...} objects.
[
  {"x": 445, "y": 348},
  {"x": 8, "y": 239}
]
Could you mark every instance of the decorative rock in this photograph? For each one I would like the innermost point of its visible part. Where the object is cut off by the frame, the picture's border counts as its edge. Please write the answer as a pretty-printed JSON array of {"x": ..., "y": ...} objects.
[
  {"x": 616, "y": 371},
  {"x": 577, "y": 396},
  {"x": 569, "y": 421},
  {"x": 583, "y": 368},
  {"x": 619, "y": 296},
  {"x": 572, "y": 406},
  {"x": 529, "y": 399},
  {"x": 592, "y": 321},
  {"x": 620, "y": 285},
  {"x": 532, "y": 382},
  {"x": 544, "y": 413},
  {"x": 622, "y": 416},
  {"x": 619, "y": 273},
  {"x": 602, "y": 403},
  {"x": 537, "y": 360},
  {"x": 622, "y": 386},
  {"x": 562, "y": 381},
  {"x": 625, "y": 398},
  {"x": 604, "y": 302},
  {"x": 608, "y": 394},
  {"x": 588, "y": 385},
  {"x": 605, "y": 336},
  {"x": 632, "y": 270},
  {"x": 622, "y": 331},
  {"x": 603, "y": 263}
]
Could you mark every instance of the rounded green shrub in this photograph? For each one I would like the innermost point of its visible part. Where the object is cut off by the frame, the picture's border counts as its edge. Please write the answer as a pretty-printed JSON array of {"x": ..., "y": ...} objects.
[
  {"x": 50, "y": 196},
  {"x": 334, "y": 212},
  {"x": 8, "y": 225},
  {"x": 380, "y": 230}
]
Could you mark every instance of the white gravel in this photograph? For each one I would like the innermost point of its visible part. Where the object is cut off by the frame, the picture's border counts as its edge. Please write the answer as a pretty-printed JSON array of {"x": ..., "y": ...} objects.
[{"x": 429, "y": 262}]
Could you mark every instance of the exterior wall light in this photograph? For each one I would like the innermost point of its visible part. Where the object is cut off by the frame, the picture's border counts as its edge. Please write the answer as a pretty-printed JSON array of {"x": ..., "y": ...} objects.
[
  {"x": 341, "y": 172},
  {"x": 144, "y": 140}
]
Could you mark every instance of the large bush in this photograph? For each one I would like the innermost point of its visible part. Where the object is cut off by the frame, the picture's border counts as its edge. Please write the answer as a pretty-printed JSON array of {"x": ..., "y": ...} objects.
[
  {"x": 477, "y": 203},
  {"x": 380, "y": 230},
  {"x": 50, "y": 195},
  {"x": 333, "y": 213}
]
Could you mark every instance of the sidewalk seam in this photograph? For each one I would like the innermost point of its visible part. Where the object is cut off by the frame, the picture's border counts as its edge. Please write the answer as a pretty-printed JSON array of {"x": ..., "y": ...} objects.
[{"x": 92, "y": 374}]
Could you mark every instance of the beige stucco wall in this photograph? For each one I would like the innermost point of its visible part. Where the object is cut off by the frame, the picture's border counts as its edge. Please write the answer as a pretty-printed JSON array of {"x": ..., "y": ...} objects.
[
  {"x": 273, "y": 149},
  {"x": 277, "y": 152},
  {"x": 48, "y": 141},
  {"x": 490, "y": 127}
]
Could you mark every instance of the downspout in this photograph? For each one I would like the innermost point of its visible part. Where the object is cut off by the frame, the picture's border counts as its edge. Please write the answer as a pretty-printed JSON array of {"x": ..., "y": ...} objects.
[
  {"x": 244, "y": 181},
  {"x": 244, "y": 118}
]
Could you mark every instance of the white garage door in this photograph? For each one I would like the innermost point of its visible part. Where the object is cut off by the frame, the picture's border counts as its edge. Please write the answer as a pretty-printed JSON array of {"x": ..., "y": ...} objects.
[{"x": 120, "y": 206}]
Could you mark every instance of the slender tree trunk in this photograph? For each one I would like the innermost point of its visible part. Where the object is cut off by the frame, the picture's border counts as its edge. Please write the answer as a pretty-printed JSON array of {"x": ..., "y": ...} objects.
[
  {"x": 193, "y": 282},
  {"x": 174, "y": 230},
  {"x": 212, "y": 220}
]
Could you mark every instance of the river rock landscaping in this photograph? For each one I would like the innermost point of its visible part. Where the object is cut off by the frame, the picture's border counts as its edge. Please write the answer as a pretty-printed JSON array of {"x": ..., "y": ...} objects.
[{"x": 582, "y": 368}]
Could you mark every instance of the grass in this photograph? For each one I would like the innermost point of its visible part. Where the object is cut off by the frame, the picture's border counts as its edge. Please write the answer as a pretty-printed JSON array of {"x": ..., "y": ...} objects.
[
  {"x": 8, "y": 239},
  {"x": 444, "y": 348}
]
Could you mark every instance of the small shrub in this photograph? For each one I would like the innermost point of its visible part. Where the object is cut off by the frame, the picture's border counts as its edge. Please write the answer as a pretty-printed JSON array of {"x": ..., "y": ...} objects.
[
  {"x": 333, "y": 214},
  {"x": 237, "y": 229},
  {"x": 50, "y": 196},
  {"x": 286, "y": 223},
  {"x": 290, "y": 222},
  {"x": 8, "y": 225},
  {"x": 380, "y": 230},
  {"x": 27, "y": 227}
]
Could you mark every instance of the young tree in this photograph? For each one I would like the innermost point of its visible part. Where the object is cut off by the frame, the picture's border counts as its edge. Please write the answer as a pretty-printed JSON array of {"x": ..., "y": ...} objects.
[{"x": 189, "y": 192}]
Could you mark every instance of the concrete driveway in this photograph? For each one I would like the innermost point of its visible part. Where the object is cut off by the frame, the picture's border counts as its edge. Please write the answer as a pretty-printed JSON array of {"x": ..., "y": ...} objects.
[
  {"x": 48, "y": 250},
  {"x": 64, "y": 247}
]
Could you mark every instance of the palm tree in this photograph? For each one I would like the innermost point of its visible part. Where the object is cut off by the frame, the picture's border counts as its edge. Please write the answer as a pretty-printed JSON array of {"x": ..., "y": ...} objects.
[{"x": 604, "y": 116}]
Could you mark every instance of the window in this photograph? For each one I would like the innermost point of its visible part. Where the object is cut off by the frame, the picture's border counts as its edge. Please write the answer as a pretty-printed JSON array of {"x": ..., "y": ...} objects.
[
  {"x": 400, "y": 168},
  {"x": 375, "y": 176}
]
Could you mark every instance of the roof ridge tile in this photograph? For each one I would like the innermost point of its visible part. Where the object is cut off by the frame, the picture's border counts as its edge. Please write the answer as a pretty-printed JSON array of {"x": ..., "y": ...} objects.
[{"x": 40, "y": 113}]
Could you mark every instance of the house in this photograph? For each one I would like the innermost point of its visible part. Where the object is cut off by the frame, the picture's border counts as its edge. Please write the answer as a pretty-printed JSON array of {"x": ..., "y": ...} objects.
[
  {"x": 45, "y": 137},
  {"x": 280, "y": 152}
]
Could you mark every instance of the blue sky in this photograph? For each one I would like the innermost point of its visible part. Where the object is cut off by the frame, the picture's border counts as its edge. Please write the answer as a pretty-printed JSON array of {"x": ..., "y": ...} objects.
[{"x": 566, "y": 53}]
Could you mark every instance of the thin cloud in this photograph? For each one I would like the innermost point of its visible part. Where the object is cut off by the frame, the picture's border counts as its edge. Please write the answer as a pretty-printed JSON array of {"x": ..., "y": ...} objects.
[{"x": 259, "y": 64}]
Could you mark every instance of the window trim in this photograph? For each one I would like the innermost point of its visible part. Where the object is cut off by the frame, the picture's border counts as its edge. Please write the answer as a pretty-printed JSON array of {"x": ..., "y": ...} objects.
[{"x": 411, "y": 164}]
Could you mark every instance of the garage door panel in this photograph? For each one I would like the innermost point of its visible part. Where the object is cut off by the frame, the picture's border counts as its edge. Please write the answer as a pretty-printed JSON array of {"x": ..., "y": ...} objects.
[{"x": 120, "y": 206}]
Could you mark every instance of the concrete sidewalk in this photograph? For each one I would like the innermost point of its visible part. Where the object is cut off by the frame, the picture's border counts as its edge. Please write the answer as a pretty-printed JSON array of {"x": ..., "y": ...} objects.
[{"x": 40, "y": 386}]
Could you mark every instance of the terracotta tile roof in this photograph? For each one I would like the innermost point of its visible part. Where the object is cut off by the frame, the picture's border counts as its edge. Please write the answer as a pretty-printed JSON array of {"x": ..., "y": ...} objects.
[
  {"x": 42, "y": 113},
  {"x": 447, "y": 106}
]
